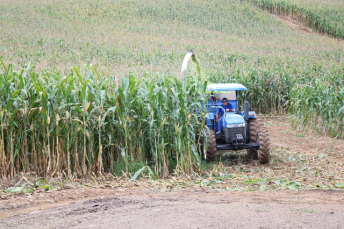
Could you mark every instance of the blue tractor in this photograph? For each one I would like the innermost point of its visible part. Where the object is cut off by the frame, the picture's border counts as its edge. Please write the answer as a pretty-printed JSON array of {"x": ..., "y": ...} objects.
[{"x": 239, "y": 129}]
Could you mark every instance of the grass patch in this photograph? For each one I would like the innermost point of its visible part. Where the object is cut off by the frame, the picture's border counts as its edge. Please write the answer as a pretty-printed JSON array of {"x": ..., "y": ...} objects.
[{"x": 301, "y": 210}]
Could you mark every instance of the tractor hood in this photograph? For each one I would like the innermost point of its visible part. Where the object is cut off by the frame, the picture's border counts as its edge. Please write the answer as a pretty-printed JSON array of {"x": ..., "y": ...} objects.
[{"x": 232, "y": 118}]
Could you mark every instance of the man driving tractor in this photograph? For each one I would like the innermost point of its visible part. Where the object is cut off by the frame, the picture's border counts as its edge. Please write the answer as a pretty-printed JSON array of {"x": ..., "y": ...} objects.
[{"x": 219, "y": 116}]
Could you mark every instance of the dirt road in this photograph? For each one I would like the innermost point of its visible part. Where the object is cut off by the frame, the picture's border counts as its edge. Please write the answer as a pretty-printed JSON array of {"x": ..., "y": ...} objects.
[
  {"x": 297, "y": 157},
  {"x": 185, "y": 209}
]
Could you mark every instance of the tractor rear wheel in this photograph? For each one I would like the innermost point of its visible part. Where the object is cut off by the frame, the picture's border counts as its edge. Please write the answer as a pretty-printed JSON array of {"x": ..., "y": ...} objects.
[
  {"x": 264, "y": 143},
  {"x": 254, "y": 126},
  {"x": 211, "y": 149},
  {"x": 260, "y": 134}
]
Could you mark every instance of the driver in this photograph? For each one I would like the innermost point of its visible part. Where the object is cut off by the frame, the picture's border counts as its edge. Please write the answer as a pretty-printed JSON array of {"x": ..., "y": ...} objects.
[{"x": 219, "y": 116}]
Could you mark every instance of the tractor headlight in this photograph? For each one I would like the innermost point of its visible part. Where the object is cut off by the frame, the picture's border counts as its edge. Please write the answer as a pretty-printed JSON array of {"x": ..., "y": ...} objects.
[{"x": 230, "y": 125}]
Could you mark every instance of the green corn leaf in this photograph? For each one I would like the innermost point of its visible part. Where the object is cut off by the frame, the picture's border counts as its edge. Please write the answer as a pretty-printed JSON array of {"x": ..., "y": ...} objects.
[
  {"x": 40, "y": 182},
  {"x": 15, "y": 189},
  {"x": 339, "y": 185},
  {"x": 138, "y": 172}
]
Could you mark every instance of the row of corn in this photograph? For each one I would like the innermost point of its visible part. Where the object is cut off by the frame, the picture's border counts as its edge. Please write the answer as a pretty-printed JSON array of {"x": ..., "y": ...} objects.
[
  {"x": 85, "y": 122},
  {"x": 323, "y": 19}
]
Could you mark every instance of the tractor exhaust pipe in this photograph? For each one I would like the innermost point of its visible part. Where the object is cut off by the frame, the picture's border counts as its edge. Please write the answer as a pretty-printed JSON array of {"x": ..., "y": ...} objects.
[
  {"x": 247, "y": 127},
  {"x": 246, "y": 107}
]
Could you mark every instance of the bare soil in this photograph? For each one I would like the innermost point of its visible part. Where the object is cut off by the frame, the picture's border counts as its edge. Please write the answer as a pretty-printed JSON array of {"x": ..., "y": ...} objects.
[
  {"x": 294, "y": 24},
  {"x": 282, "y": 135},
  {"x": 89, "y": 208},
  {"x": 159, "y": 204}
]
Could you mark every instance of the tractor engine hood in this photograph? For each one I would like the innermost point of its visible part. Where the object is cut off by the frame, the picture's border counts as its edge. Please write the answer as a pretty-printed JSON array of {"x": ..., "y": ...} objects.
[{"x": 233, "y": 120}]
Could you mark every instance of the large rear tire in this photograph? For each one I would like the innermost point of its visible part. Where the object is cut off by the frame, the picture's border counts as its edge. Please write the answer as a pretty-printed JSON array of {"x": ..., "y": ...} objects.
[
  {"x": 264, "y": 143},
  {"x": 260, "y": 134},
  {"x": 254, "y": 125},
  {"x": 211, "y": 149}
]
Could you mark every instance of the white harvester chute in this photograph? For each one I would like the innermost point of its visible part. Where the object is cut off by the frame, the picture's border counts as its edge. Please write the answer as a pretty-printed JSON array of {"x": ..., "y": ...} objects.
[{"x": 187, "y": 57}]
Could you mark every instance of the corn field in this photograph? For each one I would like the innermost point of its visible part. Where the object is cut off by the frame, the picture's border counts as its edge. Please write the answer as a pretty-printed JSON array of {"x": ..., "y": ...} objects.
[
  {"x": 323, "y": 18},
  {"x": 78, "y": 122},
  {"x": 320, "y": 107},
  {"x": 84, "y": 122}
]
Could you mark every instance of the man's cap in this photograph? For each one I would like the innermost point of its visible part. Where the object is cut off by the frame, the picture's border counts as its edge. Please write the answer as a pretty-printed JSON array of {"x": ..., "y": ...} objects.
[{"x": 224, "y": 100}]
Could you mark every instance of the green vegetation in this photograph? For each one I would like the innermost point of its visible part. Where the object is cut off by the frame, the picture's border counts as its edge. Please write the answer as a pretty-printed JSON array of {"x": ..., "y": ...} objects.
[
  {"x": 302, "y": 210},
  {"x": 55, "y": 119},
  {"x": 29, "y": 187},
  {"x": 324, "y": 16},
  {"x": 82, "y": 123},
  {"x": 288, "y": 170}
]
